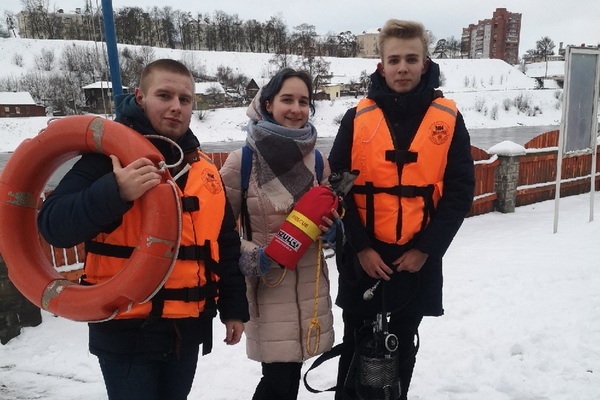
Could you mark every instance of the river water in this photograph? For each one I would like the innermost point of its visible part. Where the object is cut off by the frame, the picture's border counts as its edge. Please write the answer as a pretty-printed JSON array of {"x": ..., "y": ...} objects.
[{"x": 482, "y": 138}]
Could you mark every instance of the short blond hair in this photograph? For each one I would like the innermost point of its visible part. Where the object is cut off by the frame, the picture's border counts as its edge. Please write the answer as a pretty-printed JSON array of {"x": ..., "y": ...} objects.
[{"x": 395, "y": 28}]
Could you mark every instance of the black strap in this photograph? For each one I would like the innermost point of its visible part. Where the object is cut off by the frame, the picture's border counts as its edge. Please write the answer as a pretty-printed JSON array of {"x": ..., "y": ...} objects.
[
  {"x": 190, "y": 203},
  {"x": 194, "y": 252},
  {"x": 106, "y": 249},
  {"x": 400, "y": 190},
  {"x": 409, "y": 191},
  {"x": 336, "y": 351},
  {"x": 190, "y": 252},
  {"x": 246, "y": 168},
  {"x": 188, "y": 294},
  {"x": 401, "y": 156}
]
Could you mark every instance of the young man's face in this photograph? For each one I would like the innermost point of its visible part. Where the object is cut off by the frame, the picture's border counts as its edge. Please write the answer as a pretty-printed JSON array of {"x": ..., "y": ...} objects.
[
  {"x": 167, "y": 100},
  {"x": 403, "y": 63}
]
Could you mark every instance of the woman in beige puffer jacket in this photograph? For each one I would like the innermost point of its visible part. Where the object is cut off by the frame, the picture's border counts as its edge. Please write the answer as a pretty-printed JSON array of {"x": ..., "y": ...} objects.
[{"x": 281, "y": 301}]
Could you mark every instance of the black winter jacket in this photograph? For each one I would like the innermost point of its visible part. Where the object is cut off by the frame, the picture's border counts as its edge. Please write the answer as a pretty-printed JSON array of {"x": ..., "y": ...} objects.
[
  {"x": 87, "y": 202},
  {"x": 413, "y": 294}
]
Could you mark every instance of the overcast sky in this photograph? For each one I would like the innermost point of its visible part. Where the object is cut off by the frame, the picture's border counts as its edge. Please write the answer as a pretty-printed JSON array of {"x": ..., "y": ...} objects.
[{"x": 571, "y": 22}]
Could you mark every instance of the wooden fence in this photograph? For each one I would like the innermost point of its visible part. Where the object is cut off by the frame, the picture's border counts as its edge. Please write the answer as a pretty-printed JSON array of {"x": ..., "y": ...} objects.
[
  {"x": 536, "y": 182},
  {"x": 485, "y": 194},
  {"x": 537, "y": 171}
]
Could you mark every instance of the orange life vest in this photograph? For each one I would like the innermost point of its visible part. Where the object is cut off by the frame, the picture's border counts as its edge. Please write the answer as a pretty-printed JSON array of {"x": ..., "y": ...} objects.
[
  {"x": 397, "y": 190},
  {"x": 190, "y": 284}
]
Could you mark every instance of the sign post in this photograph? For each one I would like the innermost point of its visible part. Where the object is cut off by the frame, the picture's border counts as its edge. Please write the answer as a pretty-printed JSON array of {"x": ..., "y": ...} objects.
[{"x": 579, "y": 125}]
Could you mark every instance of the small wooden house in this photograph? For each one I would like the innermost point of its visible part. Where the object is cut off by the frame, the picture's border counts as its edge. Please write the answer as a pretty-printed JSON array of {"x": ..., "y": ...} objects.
[
  {"x": 99, "y": 97},
  {"x": 254, "y": 86},
  {"x": 19, "y": 104},
  {"x": 209, "y": 95}
]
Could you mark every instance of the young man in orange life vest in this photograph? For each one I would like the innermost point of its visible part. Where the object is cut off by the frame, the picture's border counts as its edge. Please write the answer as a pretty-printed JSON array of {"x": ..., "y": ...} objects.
[
  {"x": 414, "y": 188},
  {"x": 151, "y": 351}
]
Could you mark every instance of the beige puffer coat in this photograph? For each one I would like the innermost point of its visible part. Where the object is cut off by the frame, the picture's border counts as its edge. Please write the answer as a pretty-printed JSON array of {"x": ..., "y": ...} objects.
[{"x": 280, "y": 316}]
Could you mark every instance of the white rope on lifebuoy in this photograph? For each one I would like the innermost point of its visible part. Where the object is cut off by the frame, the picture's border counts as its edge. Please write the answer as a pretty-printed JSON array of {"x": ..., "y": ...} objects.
[{"x": 22, "y": 181}]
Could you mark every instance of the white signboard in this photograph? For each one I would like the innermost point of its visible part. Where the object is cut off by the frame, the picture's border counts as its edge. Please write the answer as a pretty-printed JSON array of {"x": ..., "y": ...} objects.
[{"x": 579, "y": 125}]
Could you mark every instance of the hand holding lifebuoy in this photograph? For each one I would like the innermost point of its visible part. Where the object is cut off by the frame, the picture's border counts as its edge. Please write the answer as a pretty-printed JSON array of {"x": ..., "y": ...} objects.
[
  {"x": 23, "y": 179},
  {"x": 136, "y": 178}
]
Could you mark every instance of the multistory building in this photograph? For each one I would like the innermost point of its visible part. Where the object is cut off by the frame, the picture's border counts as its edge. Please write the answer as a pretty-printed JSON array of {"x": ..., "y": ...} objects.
[{"x": 497, "y": 37}]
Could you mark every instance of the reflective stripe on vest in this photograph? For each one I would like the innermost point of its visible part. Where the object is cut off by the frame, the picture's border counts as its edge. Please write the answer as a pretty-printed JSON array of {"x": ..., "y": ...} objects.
[
  {"x": 200, "y": 230},
  {"x": 397, "y": 190}
]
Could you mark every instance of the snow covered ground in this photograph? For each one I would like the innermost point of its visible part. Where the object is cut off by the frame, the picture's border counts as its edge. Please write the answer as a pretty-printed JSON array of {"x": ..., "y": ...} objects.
[{"x": 522, "y": 323}]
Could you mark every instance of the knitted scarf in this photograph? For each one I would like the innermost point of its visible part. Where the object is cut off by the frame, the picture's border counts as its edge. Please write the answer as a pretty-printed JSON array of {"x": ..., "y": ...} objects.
[{"x": 283, "y": 171}]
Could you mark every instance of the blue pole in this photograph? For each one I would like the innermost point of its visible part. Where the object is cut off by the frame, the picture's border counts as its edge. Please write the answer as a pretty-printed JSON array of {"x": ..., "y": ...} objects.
[{"x": 111, "y": 48}]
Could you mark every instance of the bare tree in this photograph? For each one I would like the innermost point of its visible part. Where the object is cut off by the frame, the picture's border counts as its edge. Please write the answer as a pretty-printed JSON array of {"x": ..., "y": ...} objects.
[
  {"x": 253, "y": 33},
  {"x": 545, "y": 47},
  {"x": 453, "y": 45},
  {"x": 276, "y": 36},
  {"x": 441, "y": 49},
  {"x": 348, "y": 44},
  {"x": 304, "y": 40},
  {"x": 45, "y": 61},
  {"x": 127, "y": 24},
  {"x": 11, "y": 23},
  {"x": 133, "y": 61}
]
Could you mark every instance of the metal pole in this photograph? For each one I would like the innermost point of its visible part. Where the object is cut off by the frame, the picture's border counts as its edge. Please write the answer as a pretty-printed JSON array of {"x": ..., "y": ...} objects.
[
  {"x": 594, "y": 144},
  {"x": 111, "y": 48}
]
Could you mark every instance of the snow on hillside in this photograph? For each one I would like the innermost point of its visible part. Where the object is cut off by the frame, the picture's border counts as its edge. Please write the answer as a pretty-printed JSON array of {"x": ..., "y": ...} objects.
[
  {"x": 538, "y": 69},
  {"x": 485, "y": 90}
]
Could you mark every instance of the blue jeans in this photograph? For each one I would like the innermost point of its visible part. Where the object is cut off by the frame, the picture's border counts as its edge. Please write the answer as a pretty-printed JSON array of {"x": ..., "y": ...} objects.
[{"x": 168, "y": 379}]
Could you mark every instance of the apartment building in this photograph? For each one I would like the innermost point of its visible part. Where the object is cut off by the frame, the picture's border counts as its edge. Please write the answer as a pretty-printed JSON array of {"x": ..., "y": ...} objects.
[
  {"x": 497, "y": 37},
  {"x": 367, "y": 43}
]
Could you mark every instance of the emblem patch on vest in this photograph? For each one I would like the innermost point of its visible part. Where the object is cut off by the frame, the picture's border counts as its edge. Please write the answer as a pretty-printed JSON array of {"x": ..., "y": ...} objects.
[
  {"x": 438, "y": 132},
  {"x": 211, "y": 181}
]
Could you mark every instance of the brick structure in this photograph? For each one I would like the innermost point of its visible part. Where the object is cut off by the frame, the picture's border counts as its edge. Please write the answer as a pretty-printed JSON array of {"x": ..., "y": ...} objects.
[
  {"x": 16, "y": 311},
  {"x": 505, "y": 183},
  {"x": 497, "y": 37}
]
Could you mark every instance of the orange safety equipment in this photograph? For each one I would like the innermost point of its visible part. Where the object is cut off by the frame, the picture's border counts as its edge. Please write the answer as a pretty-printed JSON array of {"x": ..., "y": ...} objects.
[
  {"x": 193, "y": 279},
  {"x": 21, "y": 184},
  {"x": 397, "y": 190},
  {"x": 301, "y": 227}
]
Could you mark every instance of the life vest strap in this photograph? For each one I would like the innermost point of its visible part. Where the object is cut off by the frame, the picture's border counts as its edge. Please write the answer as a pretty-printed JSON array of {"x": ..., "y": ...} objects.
[
  {"x": 191, "y": 252},
  {"x": 409, "y": 191},
  {"x": 107, "y": 249},
  {"x": 190, "y": 203},
  {"x": 399, "y": 190},
  {"x": 194, "y": 252},
  {"x": 188, "y": 294},
  {"x": 401, "y": 157}
]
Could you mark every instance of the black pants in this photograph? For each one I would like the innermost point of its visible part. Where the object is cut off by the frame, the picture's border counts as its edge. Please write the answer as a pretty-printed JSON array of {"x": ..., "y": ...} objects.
[
  {"x": 404, "y": 327},
  {"x": 280, "y": 381},
  {"x": 151, "y": 379}
]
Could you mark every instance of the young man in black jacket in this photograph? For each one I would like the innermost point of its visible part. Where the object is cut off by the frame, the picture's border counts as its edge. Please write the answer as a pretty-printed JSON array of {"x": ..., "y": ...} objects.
[
  {"x": 151, "y": 351},
  {"x": 414, "y": 188}
]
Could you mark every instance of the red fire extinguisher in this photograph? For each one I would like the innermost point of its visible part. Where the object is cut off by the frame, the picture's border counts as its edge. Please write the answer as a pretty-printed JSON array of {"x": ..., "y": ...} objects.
[{"x": 301, "y": 227}]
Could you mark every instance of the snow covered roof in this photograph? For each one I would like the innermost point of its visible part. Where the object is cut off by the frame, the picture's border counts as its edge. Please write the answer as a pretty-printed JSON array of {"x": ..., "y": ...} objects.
[
  {"x": 372, "y": 31},
  {"x": 260, "y": 82},
  {"x": 205, "y": 87},
  {"x": 101, "y": 85},
  {"x": 16, "y": 98},
  {"x": 339, "y": 80}
]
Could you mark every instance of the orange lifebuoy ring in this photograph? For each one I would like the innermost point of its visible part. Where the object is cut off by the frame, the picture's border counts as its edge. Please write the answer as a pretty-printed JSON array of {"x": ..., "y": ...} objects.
[{"x": 21, "y": 183}]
